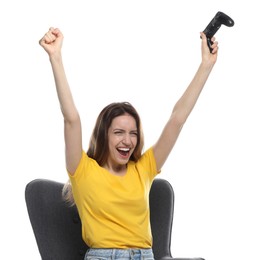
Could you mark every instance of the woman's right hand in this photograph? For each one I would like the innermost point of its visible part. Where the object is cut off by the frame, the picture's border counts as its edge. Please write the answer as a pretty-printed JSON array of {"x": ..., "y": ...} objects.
[{"x": 52, "y": 41}]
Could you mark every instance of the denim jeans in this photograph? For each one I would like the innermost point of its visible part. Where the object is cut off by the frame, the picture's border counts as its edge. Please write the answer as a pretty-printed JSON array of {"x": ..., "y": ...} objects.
[{"x": 119, "y": 254}]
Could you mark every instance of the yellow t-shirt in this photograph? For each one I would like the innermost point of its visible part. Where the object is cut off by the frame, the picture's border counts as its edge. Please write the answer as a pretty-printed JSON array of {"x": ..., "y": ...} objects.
[{"x": 114, "y": 210}]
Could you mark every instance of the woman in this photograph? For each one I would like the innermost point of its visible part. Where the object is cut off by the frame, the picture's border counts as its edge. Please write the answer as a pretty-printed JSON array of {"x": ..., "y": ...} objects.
[{"x": 110, "y": 183}]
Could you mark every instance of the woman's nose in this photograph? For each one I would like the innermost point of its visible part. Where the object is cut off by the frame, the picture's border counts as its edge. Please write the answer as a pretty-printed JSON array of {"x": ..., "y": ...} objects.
[{"x": 127, "y": 139}]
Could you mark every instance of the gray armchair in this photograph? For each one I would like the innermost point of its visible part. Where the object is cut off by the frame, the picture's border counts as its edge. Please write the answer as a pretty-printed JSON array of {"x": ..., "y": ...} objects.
[{"x": 57, "y": 227}]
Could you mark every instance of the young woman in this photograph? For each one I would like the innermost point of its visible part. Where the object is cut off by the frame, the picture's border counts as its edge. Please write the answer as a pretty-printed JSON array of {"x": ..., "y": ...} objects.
[{"x": 110, "y": 183}]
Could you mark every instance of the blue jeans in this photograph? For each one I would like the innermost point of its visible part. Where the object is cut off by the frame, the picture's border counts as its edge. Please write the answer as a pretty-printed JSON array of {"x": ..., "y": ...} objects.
[{"x": 119, "y": 254}]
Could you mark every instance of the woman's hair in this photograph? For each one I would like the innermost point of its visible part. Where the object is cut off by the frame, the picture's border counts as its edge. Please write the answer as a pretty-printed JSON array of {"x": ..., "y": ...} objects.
[{"x": 98, "y": 145}]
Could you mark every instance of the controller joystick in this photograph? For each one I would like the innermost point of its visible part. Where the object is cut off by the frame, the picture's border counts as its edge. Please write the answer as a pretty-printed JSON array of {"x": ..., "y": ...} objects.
[{"x": 219, "y": 19}]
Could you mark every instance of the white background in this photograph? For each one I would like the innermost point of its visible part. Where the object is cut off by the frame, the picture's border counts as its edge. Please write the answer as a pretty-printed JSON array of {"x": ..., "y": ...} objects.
[{"x": 145, "y": 52}]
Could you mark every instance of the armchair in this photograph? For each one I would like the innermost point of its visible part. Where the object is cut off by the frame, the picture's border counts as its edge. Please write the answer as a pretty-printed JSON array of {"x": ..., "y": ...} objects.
[{"x": 57, "y": 227}]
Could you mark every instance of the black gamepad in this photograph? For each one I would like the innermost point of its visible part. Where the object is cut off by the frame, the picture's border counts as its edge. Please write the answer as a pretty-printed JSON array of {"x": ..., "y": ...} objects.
[{"x": 219, "y": 19}]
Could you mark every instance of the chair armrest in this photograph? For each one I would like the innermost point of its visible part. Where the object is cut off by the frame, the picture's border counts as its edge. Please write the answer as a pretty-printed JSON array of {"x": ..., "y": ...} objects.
[
  {"x": 185, "y": 258},
  {"x": 181, "y": 258},
  {"x": 171, "y": 258}
]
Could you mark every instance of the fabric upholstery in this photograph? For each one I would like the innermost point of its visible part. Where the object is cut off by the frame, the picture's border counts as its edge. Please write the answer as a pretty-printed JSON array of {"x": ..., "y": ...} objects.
[{"x": 57, "y": 226}]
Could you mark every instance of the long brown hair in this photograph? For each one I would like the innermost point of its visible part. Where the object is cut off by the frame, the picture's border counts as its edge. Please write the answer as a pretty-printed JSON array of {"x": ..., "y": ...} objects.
[{"x": 98, "y": 145}]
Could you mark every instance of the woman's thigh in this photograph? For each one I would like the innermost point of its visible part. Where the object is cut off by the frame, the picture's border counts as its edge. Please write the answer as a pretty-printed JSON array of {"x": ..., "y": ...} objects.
[{"x": 119, "y": 254}]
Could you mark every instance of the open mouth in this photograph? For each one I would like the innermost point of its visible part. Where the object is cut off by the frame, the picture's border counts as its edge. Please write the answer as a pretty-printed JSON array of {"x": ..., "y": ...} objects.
[{"x": 124, "y": 151}]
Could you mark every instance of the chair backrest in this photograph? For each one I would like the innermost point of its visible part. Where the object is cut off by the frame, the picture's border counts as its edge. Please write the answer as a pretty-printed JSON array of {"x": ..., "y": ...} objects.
[{"x": 57, "y": 227}]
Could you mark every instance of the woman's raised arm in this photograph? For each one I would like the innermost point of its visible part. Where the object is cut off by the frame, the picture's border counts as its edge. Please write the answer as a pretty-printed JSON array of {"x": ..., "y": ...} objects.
[
  {"x": 52, "y": 44},
  {"x": 185, "y": 104}
]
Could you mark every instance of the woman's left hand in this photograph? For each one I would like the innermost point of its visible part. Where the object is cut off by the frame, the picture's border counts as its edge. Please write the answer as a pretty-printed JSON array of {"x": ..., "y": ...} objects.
[{"x": 207, "y": 56}]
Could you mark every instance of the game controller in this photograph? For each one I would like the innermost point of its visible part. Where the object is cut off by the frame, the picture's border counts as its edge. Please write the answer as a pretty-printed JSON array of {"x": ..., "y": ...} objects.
[{"x": 219, "y": 19}]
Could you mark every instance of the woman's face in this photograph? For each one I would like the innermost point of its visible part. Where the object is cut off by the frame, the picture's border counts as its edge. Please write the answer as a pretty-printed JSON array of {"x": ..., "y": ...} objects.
[{"x": 122, "y": 140}]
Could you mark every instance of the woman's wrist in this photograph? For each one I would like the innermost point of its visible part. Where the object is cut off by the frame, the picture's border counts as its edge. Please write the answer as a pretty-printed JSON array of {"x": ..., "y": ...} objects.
[
  {"x": 55, "y": 57},
  {"x": 207, "y": 65}
]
